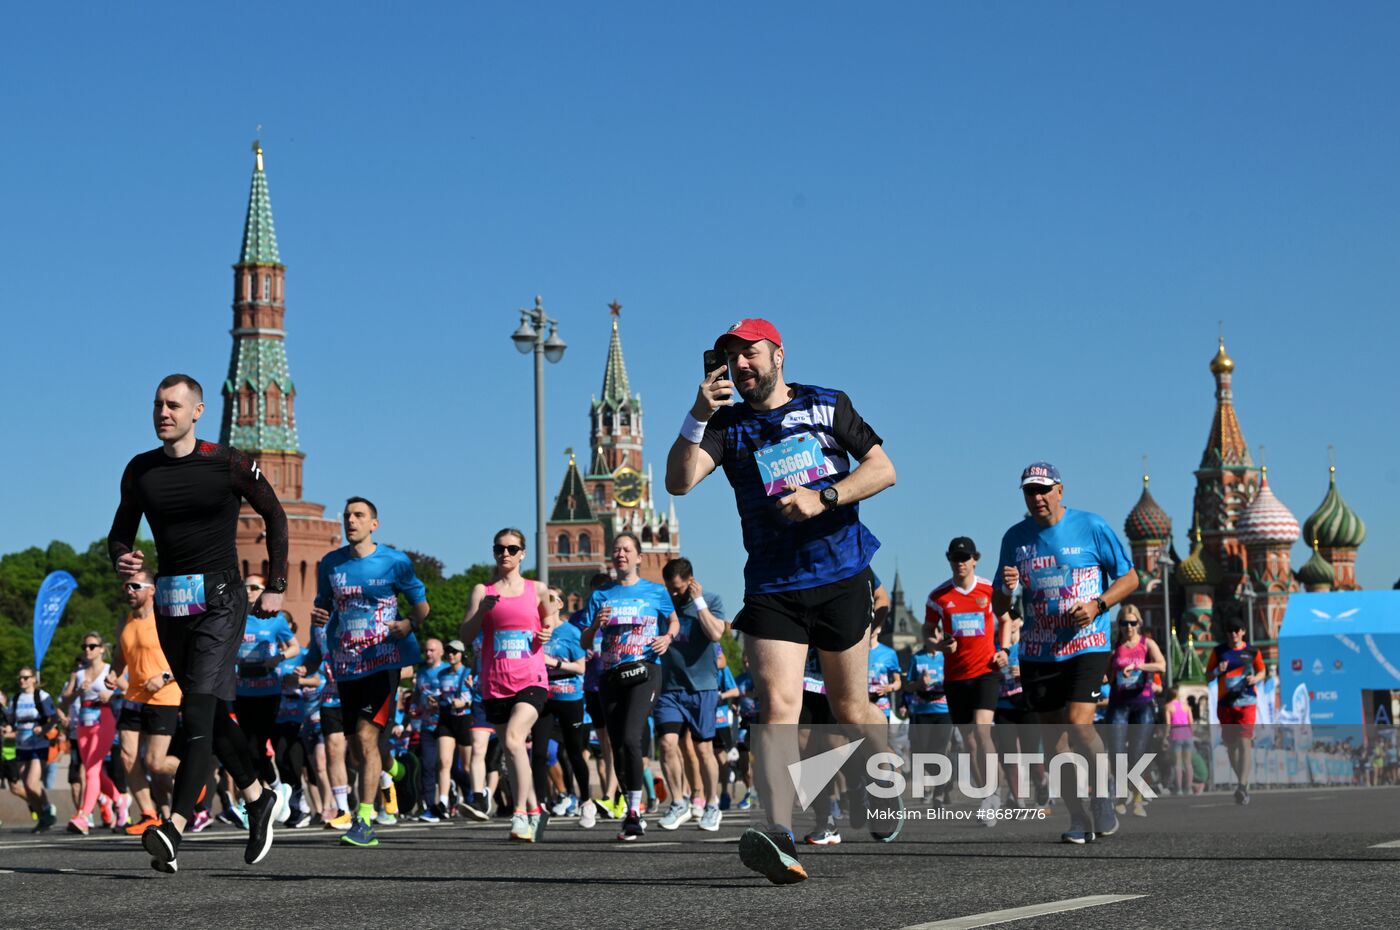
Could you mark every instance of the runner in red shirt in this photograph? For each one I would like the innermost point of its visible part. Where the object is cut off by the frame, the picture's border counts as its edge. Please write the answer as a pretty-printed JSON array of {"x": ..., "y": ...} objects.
[
  {"x": 1236, "y": 667},
  {"x": 962, "y": 606}
]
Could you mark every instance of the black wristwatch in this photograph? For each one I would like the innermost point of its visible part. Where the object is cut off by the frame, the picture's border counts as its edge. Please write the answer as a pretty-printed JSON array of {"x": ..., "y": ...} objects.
[
  {"x": 1103, "y": 606},
  {"x": 277, "y": 586},
  {"x": 830, "y": 497}
]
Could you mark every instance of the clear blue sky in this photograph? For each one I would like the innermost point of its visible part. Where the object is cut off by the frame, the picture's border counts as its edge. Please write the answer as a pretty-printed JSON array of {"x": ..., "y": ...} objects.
[{"x": 1008, "y": 230}]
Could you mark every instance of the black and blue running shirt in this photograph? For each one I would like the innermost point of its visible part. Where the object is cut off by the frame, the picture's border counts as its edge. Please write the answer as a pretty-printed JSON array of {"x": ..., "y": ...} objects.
[{"x": 810, "y": 441}]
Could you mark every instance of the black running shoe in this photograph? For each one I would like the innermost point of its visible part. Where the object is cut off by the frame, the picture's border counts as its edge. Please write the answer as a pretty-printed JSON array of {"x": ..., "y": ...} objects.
[
  {"x": 162, "y": 842},
  {"x": 772, "y": 854},
  {"x": 540, "y": 821},
  {"x": 260, "y": 814},
  {"x": 884, "y": 817}
]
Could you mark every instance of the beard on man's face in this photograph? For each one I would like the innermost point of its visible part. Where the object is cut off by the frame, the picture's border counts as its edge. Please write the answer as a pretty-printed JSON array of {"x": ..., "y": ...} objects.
[{"x": 762, "y": 386}]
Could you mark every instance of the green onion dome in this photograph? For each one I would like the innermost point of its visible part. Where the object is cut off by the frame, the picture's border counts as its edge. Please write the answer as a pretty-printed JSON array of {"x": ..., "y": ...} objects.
[
  {"x": 1316, "y": 572},
  {"x": 1335, "y": 525}
]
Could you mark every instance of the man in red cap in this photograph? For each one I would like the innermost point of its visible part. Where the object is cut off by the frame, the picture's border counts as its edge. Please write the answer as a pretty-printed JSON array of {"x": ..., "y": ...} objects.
[{"x": 789, "y": 452}]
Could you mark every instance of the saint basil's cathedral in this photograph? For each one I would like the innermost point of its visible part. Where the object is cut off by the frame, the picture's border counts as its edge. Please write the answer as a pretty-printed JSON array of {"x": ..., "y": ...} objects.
[{"x": 1241, "y": 537}]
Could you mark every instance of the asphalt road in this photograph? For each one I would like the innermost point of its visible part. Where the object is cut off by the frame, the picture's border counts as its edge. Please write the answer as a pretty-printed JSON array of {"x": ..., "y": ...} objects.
[{"x": 1185, "y": 867}]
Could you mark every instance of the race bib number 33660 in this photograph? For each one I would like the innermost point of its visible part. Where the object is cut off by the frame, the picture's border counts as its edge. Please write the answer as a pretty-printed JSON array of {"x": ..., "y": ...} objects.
[{"x": 798, "y": 460}]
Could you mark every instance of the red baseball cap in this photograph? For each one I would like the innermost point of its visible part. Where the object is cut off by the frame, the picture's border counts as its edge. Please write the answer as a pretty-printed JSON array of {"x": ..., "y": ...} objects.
[{"x": 752, "y": 330}]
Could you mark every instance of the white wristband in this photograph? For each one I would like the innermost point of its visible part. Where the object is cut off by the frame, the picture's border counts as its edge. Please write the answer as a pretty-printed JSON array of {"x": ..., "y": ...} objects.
[
  {"x": 692, "y": 430},
  {"x": 700, "y": 604}
]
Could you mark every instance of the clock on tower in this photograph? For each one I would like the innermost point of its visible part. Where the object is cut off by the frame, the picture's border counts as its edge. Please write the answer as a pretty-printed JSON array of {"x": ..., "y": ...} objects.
[{"x": 627, "y": 487}]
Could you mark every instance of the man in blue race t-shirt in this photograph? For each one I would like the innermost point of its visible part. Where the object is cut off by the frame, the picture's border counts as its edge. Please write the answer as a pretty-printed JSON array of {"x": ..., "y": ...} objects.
[
  {"x": 690, "y": 693},
  {"x": 357, "y": 589},
  {"x": 788, "y": 452},
  {"x": 1069, "y": 567}
]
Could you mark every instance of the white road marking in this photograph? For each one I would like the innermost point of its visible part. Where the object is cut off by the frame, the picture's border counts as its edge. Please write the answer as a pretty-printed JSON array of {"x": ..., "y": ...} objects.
[
  {"x": 646, "y": 845},
  {"x": 1021, "y": 913},
  {"x": 723, "y": 839},
  {"x": 1393, "y": 844}
]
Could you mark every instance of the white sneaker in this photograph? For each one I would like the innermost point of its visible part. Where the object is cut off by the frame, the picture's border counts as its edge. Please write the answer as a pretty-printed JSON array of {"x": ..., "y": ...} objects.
[
  {"x": 284, "y": 803},
  {"x": 677, "y": 814},
  {"x": 986, "y": 813},
  {"x": 588, "y": 815},
  {"x": 710, "y": 818}
]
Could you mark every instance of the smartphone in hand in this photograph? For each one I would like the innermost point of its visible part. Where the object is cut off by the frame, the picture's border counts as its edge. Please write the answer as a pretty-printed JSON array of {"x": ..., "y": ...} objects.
[{"x": 713, "y": 360}]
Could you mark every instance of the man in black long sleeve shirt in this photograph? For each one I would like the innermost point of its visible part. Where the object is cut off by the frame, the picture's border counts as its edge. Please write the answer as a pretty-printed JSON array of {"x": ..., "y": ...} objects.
[{"x": 190, "y": 492}]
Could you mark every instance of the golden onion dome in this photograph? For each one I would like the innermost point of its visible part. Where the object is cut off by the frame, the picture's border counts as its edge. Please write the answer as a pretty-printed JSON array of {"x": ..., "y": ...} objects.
[{"x": 1222, "y": 362}]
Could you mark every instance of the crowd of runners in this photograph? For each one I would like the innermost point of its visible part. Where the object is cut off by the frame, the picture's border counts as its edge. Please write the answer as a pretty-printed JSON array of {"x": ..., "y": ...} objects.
[{"x": 625, "y": 710}]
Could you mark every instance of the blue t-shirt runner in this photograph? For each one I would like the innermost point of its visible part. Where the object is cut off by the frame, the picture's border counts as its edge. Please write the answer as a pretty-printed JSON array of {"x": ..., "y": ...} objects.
[
  {"x": 564, "y": 645},
  {"x": 260, "y": 653},
  {"x": 362, "y": 597},
  {"x": 926, "y": 673},
  {"x": 690, "y": 665},
  {"x": 883, "y": 667},
  {"x": 1071, "y": 562},
  {"x": 633, "y": 622}
]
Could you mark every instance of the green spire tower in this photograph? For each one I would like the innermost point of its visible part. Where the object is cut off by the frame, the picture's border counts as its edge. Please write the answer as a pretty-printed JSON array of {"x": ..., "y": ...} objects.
[{"x": 259, "y": 396}]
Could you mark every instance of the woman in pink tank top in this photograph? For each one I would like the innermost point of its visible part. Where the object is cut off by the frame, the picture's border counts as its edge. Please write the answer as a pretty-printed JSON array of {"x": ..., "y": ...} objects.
[
  {"x": 1131, "y": 710},
  {"x": 515, "y": 618},
  {"x": 1182, "y": 741}
]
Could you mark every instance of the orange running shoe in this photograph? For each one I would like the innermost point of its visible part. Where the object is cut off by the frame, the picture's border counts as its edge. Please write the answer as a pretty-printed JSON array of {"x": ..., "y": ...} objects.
[{"x": 148, "y": 819}]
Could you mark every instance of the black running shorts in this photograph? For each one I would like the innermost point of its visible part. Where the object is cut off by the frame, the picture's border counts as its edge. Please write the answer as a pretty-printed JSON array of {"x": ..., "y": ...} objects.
[
  {"x": 151, "y": 719},
  {"x": 969, "y": 695},
  {"x": 459, "y": 727},
  {"x": 1050, "y": 686},
  {"x": 498, "y": 710},
  {"x": 202, "y": 650},
  {"x": 368, "y": 698},
  {"x": 833, "y": 617}
]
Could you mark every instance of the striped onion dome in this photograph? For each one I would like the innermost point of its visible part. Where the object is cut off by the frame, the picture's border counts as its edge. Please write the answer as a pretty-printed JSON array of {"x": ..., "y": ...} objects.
[
  {"x": 1147, "y": 520},
  {"x": 1316, "y": 572},
  {"x": 1334, "y": 524},
  {"x": 1266, "y": 520},
  {"x": 1200, "y": 567}
]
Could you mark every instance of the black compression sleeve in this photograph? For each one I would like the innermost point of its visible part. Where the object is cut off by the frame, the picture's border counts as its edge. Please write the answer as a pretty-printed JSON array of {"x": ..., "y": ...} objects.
[
  {"x": 122, "y": 536},
  {"x": 252, "y": 485}
]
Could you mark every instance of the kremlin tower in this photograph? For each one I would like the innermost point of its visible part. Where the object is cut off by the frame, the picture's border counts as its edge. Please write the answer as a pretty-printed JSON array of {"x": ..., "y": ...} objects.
[
  {"x": 614, "y": 496},
  {"x": 259, "y": 415}
]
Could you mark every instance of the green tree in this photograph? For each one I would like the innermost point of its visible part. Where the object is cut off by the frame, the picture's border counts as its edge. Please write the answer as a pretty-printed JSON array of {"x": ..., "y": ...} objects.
[{"x": 95, "y": 606}]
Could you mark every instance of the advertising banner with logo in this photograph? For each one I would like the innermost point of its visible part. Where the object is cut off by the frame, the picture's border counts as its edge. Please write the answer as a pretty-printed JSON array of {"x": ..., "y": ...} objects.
[{"x": 1333, "y": 647}]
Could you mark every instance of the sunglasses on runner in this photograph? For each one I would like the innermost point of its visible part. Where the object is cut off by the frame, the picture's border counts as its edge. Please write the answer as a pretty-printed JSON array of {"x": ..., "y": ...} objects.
[
  {"x": 499, "y": 549},
  {"x": 92, "y": 645},
  {"x": 138, "y": 585},
  {"x": 1127, "y": 623},
  {"x": 450, "y": 651},
  {"x": 958, "y": 558},
  {"x": 26, "y": 678}
]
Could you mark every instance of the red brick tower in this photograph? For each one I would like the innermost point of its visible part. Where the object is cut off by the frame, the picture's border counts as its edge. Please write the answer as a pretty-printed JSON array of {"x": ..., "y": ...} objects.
[{"x": 259, "y": 415}]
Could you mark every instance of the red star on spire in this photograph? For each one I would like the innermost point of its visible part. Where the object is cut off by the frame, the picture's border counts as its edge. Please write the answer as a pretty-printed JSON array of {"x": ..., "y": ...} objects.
[{"x": 616, "y": 308}]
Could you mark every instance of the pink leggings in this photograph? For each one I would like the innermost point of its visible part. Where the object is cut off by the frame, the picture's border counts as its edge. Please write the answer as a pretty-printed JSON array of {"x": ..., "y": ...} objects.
[{"x": 94, "y": 743}]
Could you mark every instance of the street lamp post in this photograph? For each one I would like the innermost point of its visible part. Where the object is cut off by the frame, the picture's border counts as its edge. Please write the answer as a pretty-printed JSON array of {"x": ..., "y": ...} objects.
[
  {"x": 530, "y": 337},
  {"x": 1166, "y": 563},
  {"x": 1248, "y": 593}
]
